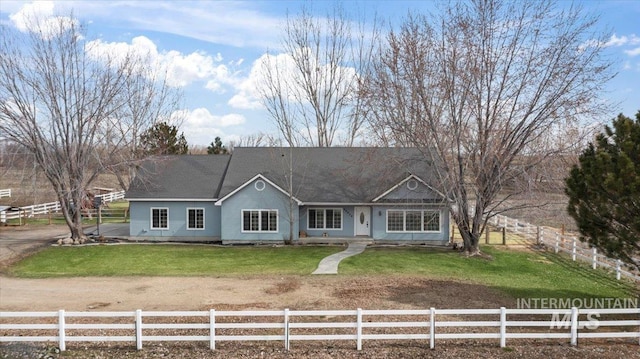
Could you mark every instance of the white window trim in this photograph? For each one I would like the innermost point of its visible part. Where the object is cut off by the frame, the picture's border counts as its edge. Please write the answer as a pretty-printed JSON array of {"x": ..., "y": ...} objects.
[
  {"x": 204, "y": 219},
  {"x": 242, "y": 230},
  {"x": 404, "y": 220},
  {"x": 325, "y": 219},
  {"x": 151, "y": 218}
]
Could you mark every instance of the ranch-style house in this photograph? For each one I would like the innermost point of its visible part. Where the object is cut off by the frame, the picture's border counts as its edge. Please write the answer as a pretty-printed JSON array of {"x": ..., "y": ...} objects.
[{"x": 256, "y": 194}]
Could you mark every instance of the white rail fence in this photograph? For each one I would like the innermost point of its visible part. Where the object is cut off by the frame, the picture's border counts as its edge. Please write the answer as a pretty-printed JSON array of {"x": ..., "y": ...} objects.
[
  {"x": 5, "y": 193},
  {"x": 567, "y": 243},
  {"x": 51, "y": 207},
  {"x": 289, "y": 326}
]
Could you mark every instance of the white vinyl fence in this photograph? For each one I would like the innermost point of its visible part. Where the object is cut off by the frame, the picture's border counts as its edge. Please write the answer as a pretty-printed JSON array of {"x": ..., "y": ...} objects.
[
  {"x": 51, "y": 207},
  {"x": 5, "y": 193},
  {"x": 567, "y": 243},
  {"x": 289, "y": 326}
]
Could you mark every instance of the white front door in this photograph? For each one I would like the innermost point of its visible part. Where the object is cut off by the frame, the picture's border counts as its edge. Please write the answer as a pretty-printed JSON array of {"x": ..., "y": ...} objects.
[{"x": 363, "y": 218}]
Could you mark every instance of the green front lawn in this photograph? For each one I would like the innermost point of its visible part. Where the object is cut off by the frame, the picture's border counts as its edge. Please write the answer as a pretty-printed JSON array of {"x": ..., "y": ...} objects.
[
  {"x": 170, "y": 260},
  {"x": 519, "y": 274}
]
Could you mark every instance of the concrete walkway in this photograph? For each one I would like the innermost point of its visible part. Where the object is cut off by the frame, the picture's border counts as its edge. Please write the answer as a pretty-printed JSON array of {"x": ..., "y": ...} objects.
[{"x": 329, "y": 265}]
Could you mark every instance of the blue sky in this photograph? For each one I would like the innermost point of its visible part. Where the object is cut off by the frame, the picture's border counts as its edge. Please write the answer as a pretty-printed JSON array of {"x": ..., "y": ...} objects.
[{"x": 211, "y": 48}]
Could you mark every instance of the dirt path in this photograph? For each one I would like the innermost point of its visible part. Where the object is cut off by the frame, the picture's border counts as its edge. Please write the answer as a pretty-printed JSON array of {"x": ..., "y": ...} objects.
[{"x": 199, "y": 293}]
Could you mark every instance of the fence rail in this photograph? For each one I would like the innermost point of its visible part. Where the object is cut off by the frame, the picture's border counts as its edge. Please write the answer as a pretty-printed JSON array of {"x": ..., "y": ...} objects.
[
  {"x": 51, "y": 207},
  {"x": 288, "y": 326},
  {"x": 5, "y": 193},
  {"x": 566, "y": 243}
]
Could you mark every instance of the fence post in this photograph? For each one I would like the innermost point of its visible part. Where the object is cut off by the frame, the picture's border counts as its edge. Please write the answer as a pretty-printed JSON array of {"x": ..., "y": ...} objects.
[
  {"x": 359, "y": 329},
  {"x": 538, "y": 235},
  {"x": 618, "y": 269},
  {"x": 432, "y": 328},
  {"x": 573, "y": 250},
  {"x": 574, "y": 326},
  {"x": 212, "y": 329},
  {"x": 503, "y": 327},
  {"x": 139, "y": 329},
  {"x": 486, "y": 234},
  {"x": 557, "y": 242},
  {"x": 504, "y": 236},
  {"x": 286, "y": 329},
  {"x": 515, "y": 225},
  {"x": 594, "y": 259},
  {"x": 61, "y": 333}
]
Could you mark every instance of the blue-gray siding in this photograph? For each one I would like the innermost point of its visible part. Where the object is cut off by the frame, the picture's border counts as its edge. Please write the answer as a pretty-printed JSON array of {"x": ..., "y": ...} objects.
[
  {"x": 348, "y": 222},
  {"x": 378, "y": 224},
  {"x": 140, "y": 213},
  {"x": 250, "y": 198}
]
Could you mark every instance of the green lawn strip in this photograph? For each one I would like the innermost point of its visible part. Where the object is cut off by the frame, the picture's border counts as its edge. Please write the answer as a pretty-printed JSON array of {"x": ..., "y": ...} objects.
[
  {"x": 170, "y": 260},
  {"x": 519, "y": 274}
]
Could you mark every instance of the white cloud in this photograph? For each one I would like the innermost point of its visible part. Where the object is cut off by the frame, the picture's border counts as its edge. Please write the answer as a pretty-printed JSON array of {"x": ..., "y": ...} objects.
[
  {"x": 181, "y": 69},
  {"x": 38, "y": 16},
  {"x": 203, "y": 118},
  {"x": 200, "y": 127},
  {"x": 622, "y": 40},
  {"x": 634, "y": 52}
]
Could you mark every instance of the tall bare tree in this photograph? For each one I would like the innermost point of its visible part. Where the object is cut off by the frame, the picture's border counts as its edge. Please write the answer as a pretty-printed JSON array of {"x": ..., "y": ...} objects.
[
  {"x": 60, "y": 102},
  {"x": 311, "y": 89},
  {"x": 148, "y": 100},
  {"x": 478, "y": 85}
]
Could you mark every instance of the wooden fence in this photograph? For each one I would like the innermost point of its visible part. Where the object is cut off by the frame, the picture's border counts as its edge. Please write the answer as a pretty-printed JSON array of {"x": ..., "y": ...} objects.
[
  {"x": 51, "y": 207},
  {"x": 566, "y": 243},
  {"x": 5, "y": 193},
  {"x": 289, "y": 326}
]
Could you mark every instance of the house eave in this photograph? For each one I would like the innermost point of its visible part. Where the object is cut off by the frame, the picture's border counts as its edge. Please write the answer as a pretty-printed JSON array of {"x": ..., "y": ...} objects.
[
  {"x": 171, "y": 199},
  {"x": 398, "y": 203}
]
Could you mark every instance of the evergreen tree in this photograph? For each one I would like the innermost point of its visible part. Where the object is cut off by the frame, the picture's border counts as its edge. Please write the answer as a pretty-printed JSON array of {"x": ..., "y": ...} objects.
[
  {"x": 604, "y": 190},
  {"x": 217, "y": 148},
  {"x": 163, "y": 139}
]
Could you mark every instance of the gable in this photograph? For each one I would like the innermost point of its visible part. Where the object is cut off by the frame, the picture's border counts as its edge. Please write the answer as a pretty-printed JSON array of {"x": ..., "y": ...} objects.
[
  {"x": 327, "y": 175},
  {"x": 256, "y": 186},
  {"x": 412, "y": 189}
]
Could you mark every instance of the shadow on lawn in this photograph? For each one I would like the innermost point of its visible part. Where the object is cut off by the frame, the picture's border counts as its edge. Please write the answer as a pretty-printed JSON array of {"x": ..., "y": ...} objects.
[{"x": 577, "y": 270}]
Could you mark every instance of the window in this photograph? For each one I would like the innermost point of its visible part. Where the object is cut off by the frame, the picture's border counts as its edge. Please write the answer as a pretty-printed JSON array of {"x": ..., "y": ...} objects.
[
  {"x": 325, "y": 218},
  {"x": 395, "y": 221},
  {"x": 260, "y": 220},
  {"x": 413, "y": 221},
  {"x": 159, "y": 218},
  {"x": 195, "y": 218},
  {"x": 431, "y": 221}
]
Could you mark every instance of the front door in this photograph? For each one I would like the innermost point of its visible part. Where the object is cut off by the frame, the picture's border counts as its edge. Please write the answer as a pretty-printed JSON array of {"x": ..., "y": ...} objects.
[{"x": 363, "y": 218}]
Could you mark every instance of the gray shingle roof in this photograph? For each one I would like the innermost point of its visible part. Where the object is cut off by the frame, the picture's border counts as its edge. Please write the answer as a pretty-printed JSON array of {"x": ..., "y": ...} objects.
[
  {"x": 179, "y": 177},
  {"x": 320, "y": 175},
  {"x": 327, "y": 175}
]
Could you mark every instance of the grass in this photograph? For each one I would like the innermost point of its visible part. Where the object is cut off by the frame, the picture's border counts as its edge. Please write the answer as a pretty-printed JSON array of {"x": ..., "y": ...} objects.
[
  {"x": 519, "y": 274},
  {"x": 170, "y": 260}
]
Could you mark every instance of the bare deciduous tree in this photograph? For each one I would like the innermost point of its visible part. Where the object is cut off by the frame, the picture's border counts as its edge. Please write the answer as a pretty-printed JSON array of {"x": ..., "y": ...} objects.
[
  {"x": 478, "y": 87},
  {"x": 60, "y": 102},
  {"x": 311, "y": 89},
  {"x": 148, "y": 99}
]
